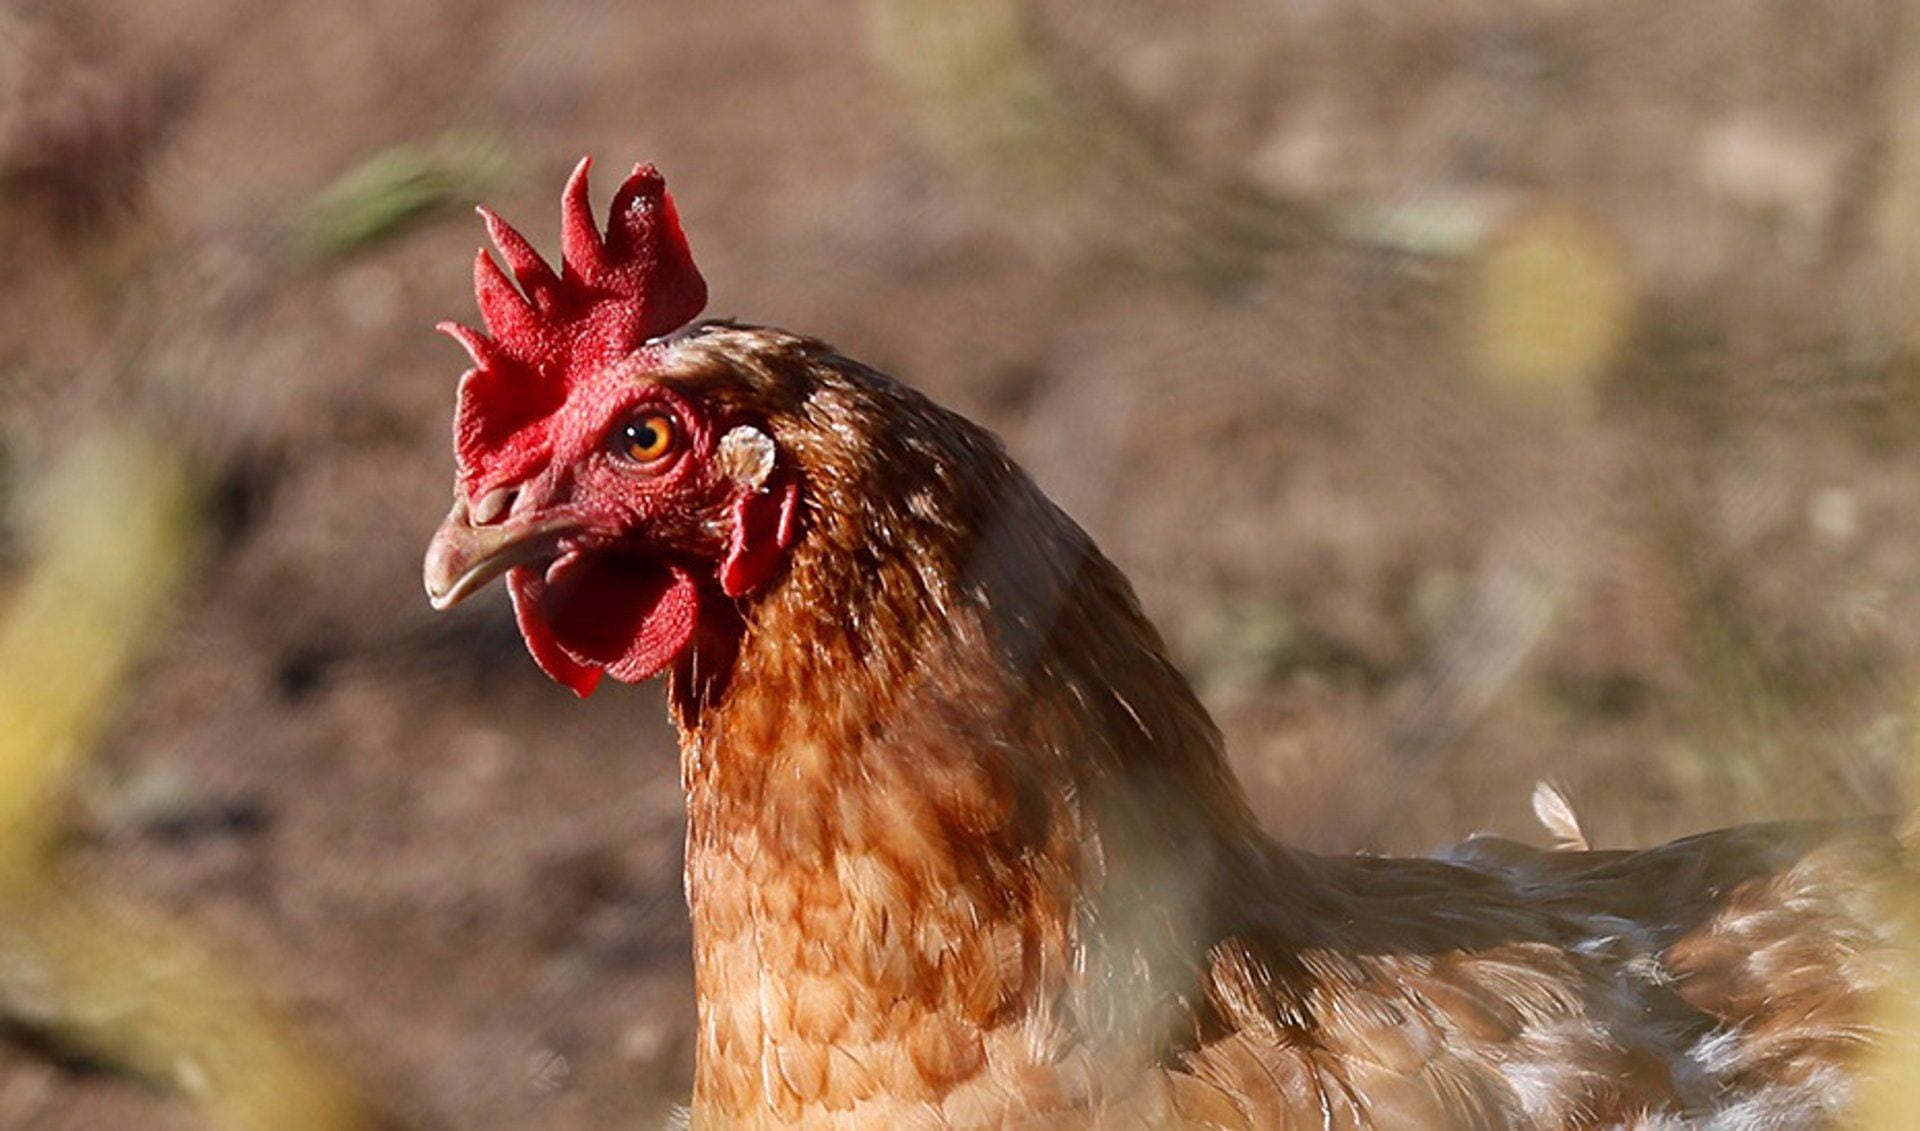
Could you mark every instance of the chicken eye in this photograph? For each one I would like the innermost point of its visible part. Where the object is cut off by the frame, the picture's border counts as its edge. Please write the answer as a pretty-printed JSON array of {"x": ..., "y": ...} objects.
[{"x": 646, "y": 438}]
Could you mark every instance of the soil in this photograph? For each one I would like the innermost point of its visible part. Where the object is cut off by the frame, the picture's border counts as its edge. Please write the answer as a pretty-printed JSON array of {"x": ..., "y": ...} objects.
[{"x": 1221, "y": 279}]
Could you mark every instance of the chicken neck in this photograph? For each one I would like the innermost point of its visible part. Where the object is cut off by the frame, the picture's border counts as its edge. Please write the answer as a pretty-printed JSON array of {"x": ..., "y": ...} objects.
[{"x": 946, "y": 793}]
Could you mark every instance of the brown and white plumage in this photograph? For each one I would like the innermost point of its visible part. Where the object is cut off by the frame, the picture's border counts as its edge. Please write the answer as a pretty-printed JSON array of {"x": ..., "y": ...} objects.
[
  {"x": 963, "y": 843},
  {"x": 964, "y": 849}
]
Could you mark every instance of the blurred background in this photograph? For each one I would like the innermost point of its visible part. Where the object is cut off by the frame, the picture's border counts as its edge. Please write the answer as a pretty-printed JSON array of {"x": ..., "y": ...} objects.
[{"x": 1477, "y": 393}]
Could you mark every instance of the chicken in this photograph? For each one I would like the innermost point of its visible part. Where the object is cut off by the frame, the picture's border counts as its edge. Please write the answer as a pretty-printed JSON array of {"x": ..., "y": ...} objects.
[{"x": 963, "y": 848}]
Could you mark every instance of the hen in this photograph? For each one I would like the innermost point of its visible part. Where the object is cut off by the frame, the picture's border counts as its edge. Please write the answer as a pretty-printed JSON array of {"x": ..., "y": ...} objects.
[{"x": 963, "y": 848}]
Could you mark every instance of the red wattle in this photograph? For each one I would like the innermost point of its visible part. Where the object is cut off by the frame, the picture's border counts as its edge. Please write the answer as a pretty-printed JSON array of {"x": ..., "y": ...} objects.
[
  {"x": 524, "y": 584},
  {"x": 627, "y": 617}
]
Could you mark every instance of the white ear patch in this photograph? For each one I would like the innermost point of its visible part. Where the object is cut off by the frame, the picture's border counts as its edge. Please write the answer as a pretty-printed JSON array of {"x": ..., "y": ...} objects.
[{"x": 746, "y": 456}]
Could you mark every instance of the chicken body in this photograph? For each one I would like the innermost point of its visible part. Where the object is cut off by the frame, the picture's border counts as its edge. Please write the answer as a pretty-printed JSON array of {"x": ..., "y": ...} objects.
[{"x": 963, "y": 849}]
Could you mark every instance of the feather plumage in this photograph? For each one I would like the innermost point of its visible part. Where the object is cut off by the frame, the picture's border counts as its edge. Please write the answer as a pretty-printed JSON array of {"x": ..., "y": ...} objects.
[{"x": 964, "y": 850}]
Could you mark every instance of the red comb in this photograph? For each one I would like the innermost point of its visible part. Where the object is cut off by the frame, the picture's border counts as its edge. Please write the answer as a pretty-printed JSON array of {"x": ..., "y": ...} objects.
[{"x": 553, "y": 332}]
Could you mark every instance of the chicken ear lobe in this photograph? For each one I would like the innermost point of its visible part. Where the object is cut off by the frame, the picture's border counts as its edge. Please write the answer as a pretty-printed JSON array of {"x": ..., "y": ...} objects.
[{"x": 764, "y": 524}]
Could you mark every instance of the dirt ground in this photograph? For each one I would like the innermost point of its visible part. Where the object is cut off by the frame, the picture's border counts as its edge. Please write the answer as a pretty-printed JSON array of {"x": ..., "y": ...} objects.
[{"x": 1256, "y": 291}]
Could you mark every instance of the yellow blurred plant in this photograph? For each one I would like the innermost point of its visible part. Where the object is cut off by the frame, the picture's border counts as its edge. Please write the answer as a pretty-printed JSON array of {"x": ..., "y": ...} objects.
[
  {"x": 122, "y": 985},
  {"x": 1548, "y": 304}
]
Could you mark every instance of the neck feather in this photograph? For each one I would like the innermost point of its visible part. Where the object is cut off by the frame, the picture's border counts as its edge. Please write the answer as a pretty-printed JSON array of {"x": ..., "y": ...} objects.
[{"x": 952, "y": 791}]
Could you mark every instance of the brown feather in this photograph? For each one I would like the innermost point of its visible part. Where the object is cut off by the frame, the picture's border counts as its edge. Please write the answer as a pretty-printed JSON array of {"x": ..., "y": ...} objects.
[{"x": 963, "y": 850}]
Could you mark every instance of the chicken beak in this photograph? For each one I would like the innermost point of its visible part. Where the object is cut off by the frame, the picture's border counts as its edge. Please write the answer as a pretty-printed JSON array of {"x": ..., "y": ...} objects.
[{"x": 463, "y": 557}]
